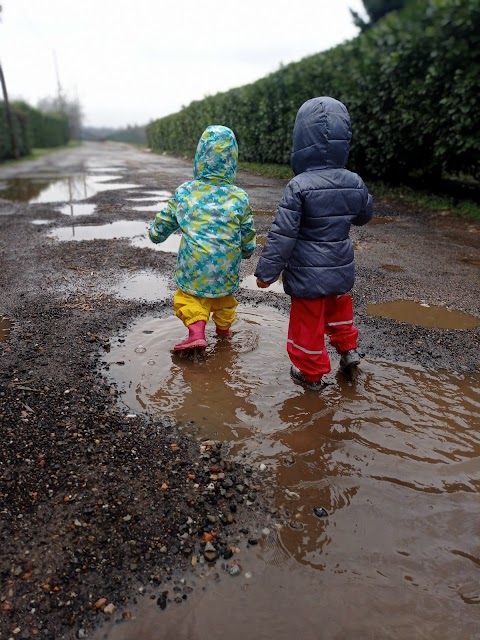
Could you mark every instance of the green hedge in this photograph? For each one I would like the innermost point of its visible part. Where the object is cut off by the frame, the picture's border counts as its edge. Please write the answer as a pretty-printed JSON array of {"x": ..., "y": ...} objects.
[
  {"x": 34, "y": 129},
  {"x": 410, "y": 84}
]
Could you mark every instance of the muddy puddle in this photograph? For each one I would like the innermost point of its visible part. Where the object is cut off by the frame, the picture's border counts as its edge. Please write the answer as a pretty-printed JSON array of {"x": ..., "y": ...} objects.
[
  {"x": 423, "y": 315},
  {"x": 60, "y": 189},
  {"x": 393, "y": 457},
  {"x": 393, "y": 268},
  {"x": 5, "y": 328}
]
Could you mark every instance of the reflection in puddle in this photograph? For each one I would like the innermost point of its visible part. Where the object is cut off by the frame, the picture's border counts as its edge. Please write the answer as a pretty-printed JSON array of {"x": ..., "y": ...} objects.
[
  {"x": 393, "y": 458},
  {"x": 78, "y": 209},
  {"x": 5, "y": 328},
  {"x": 64, "y": 189},
  {"x": 119, "y": 229},
  {"x": 41, "y": 221},
  {"x": 250, "y": 282},
  {"x": 146, "y": 285},
  {"x": 394, "y": 268},
  {"x": 423, "y": 315}
]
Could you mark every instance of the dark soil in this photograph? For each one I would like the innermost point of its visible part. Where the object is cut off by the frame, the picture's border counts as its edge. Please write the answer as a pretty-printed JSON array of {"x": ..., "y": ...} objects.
[{"x": 98, "y": 504}]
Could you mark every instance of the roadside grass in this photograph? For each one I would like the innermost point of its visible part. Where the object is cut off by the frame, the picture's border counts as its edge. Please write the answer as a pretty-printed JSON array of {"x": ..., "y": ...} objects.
[
  {"x": 414, "y": 197},
  {"x": 39, "y": 153}
]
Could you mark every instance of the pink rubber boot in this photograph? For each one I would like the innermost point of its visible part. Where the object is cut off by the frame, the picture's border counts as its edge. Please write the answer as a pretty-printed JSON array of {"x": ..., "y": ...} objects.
[
  {"x": 196, "y": 337},
  {"x": 224, "y": 333}
]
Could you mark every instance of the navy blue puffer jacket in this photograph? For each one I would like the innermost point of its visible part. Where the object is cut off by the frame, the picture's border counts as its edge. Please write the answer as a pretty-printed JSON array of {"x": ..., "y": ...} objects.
[{"x": 309, "y": 238}]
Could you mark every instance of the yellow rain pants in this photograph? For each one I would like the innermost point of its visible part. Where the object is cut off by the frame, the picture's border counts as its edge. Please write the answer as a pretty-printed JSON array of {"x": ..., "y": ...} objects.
[{"x": 191, "y": 309}]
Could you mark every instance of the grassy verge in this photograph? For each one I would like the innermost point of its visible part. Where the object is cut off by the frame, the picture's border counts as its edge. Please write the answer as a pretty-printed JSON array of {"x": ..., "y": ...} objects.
[
  {"x": 417, "y": 198},
  {"x": 38, "y": 153}
]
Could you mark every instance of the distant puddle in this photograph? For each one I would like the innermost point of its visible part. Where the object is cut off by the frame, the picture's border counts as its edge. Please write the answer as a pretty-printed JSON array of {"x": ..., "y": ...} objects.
[
  {"x": 393, "y": 458},
  {"x": 63, "y": 189},
  {"x": 394, "y": 268},
  {"x": 146, "y": 285},
  {"x": 380, "y": 220},
  {"x": 250, "y": 282},
  {"x": 119, "y": 229},
  {"x": 423, "y": 315},
  {"x": 5, "y": 328},
  {"x": 41, "y": 221},
  {"x": 78, "y": 209}
]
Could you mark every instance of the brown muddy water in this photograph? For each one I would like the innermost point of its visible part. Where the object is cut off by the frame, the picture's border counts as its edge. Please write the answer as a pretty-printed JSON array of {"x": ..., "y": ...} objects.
[
  {"x": 380, "y": 220},
  {"x": 392, "y": 456},
  {"x": 5, "y": 328},
  {"x": 393, "y": 268},
  {"x": 423, "y": 315}
]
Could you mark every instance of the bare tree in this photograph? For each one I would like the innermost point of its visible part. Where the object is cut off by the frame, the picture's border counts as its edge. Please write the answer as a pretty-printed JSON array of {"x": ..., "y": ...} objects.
[{"x": 11, "y": 124}]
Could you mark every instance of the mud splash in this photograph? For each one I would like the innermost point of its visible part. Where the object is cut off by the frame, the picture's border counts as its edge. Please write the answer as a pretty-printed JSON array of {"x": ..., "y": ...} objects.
[
  {"x": 393, "y": 457},
  {"x": 423, "y": 315}
]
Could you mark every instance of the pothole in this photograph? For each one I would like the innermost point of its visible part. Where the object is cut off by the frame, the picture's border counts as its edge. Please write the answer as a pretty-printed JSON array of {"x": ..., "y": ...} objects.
[{"x": 423, "y": 315}]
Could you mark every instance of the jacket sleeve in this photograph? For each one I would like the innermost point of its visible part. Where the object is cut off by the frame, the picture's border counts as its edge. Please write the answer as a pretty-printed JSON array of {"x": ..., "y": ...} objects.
[
  {"x": 165, "y": 223},
  {"x": 249, "y": 234},
  {"x": 282, "y": 235},
  {"x": 366, "y": 212}
]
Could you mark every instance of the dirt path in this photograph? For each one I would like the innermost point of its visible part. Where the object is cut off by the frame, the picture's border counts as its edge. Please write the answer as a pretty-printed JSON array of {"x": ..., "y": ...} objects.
[{"x": 96, "y": 502}]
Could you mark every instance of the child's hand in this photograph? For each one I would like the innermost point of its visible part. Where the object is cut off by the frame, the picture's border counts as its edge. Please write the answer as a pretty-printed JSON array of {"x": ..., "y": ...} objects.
[{"x": 262, "y": 285}]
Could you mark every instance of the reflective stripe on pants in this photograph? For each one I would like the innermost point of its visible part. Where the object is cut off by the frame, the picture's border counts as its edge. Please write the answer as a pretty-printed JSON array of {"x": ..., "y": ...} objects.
[{"x": 310, "y": 320}]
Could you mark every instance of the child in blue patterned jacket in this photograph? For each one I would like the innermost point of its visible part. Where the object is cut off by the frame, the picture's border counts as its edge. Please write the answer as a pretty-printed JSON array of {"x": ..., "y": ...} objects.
[{"x": 217, "y": 232}]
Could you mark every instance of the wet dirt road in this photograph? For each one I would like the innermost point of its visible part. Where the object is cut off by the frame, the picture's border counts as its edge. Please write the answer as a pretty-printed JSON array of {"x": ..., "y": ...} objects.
[{"x": 359, "y": 504}]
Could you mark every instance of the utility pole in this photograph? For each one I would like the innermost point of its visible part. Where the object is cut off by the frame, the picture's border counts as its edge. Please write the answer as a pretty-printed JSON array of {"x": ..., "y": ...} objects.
[{"x": 11, "y": 124}]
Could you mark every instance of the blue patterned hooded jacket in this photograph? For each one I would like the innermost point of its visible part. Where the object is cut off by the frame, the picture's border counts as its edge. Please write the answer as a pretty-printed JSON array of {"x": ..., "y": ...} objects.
[
  {"x": 309, "y": 238},
  {"x": 215, "y": 219}
]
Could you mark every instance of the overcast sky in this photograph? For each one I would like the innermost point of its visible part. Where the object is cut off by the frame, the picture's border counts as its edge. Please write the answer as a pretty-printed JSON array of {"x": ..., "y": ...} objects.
[{"x": 129, "y": 62}]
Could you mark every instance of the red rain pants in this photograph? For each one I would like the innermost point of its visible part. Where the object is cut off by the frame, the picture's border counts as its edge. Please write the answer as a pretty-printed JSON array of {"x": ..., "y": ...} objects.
[{"x": 310, "y": 320}]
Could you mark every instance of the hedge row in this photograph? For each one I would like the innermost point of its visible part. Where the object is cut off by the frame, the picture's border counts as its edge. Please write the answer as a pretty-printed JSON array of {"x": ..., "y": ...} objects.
[
  {"x": 34, "y": 129},
  {"x": 410, "y": 84}
]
